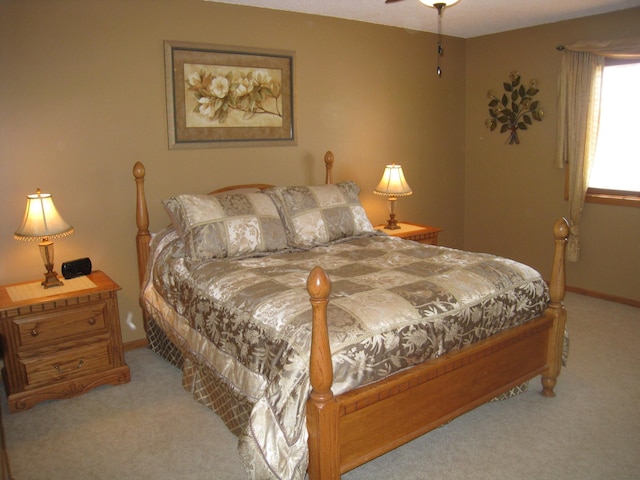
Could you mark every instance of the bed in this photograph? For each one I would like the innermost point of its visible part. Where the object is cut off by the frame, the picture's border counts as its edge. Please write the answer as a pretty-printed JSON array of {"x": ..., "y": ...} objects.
[{"x": 319, "y": 376}]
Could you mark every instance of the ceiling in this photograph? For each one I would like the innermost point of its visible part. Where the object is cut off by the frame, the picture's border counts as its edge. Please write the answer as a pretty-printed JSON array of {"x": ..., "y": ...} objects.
[{"x": 466, "y": 19}]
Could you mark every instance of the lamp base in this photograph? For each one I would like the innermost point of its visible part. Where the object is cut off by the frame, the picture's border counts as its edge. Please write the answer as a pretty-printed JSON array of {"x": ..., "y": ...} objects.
[
  {"x": 392, "y": 224},
  {"x": 46, "y": 252},
  {"x": 51, "y": 280}
]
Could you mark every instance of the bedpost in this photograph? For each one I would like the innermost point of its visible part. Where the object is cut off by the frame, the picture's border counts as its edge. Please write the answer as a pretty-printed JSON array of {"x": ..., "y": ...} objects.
[
  {"x": 556, "y": 308},
  {"x": 322, "y": 410},
  {"x": 143, "y": 237},
  {"x": 328, "y": 164}
]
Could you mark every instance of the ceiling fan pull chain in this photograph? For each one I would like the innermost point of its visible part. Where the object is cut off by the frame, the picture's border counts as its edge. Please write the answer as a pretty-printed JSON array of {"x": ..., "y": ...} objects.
[{"x": 440, "y": 7}]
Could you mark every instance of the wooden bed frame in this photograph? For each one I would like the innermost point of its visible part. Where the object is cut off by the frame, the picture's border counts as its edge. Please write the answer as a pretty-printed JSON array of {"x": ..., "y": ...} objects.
[{"x": 348, "y": 430}]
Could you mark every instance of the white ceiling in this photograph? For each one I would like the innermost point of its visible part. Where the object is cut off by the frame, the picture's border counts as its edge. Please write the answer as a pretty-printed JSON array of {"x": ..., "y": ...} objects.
[{"x": 466, "y": 19}]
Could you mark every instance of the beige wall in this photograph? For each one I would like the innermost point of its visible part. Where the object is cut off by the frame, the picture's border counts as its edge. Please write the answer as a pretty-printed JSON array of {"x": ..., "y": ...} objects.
[
  {"x": 82, "y": 98},
  {"x": 513, "y": 193}
]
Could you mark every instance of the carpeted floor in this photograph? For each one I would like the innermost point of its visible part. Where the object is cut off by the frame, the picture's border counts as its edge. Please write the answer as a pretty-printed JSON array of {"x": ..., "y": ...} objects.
[{"x": 152, "y": 429}]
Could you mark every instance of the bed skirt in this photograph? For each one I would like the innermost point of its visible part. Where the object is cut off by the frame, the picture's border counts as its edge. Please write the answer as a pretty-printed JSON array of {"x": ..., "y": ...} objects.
[
  {"x": 161, "y": 345},
  {"x": 202, "y": 382}
]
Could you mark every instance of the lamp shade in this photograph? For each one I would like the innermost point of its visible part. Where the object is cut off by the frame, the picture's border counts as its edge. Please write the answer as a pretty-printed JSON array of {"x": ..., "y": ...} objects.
[
  {"x": 393, "y": 183},
  {"x": 42, "y": 220}
]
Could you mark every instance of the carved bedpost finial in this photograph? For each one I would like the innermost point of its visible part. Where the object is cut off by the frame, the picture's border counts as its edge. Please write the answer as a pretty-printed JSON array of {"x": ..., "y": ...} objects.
[
  {"x": 318, "y": 284},
  {"x": 328, "y": 162},
  {"x": 561, "y": 229},
  {"x": 138, "y": 171}
]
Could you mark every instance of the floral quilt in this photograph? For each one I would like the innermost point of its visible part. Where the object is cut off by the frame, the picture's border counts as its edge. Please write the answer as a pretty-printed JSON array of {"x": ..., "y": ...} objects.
[{"x": 393, "y": 304}]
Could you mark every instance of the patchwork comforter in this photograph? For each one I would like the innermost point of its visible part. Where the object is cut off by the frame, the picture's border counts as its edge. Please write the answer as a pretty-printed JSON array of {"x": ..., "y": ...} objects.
[{"x": 393, "y": 304}]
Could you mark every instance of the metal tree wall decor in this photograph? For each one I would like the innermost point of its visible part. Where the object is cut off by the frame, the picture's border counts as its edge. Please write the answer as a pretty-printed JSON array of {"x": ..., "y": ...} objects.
[{"x": 516, "y": 110}]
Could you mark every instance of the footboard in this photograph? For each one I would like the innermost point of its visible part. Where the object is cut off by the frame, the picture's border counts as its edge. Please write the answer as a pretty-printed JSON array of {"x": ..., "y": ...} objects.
[{"x": 348, "y": 430}]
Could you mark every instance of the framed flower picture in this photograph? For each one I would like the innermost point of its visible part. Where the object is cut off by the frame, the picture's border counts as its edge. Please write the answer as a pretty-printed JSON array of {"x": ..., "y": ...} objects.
[{"x": 219, "y": 96}]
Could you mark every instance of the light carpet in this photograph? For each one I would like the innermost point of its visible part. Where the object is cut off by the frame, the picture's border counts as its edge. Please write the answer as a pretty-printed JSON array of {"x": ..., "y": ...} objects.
[{"x": 152, "y": 429}]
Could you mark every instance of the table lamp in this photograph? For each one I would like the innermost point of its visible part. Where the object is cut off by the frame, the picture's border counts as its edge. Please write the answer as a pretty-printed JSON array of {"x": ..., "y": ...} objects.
[
  {"x": 42, "y": 222},
  {"x": 393, "y": 185}
]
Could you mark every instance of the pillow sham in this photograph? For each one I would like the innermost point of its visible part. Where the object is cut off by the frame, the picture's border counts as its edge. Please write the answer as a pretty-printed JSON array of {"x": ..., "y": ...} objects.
[
  {"x": 232, "y": 225},
  {"x": 317, "y": 215}
]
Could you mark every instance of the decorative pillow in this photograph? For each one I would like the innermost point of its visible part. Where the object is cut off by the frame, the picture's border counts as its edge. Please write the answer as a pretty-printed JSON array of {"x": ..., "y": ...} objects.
[
  {"x": 219, "y": 226},
  {"x": 321, "y": 214}
]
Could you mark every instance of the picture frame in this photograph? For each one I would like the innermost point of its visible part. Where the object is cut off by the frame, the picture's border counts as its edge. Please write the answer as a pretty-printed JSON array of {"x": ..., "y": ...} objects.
[{"x": 222, "y": 96}]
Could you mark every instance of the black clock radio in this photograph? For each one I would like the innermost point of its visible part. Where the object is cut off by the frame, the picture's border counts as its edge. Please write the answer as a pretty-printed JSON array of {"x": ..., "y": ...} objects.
[{"x": 76, "y": 268}]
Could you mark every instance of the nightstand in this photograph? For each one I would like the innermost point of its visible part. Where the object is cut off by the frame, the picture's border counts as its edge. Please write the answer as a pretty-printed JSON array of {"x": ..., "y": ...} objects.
[
  {"x": 60, "y": 342},
  {"x": 413, "y": 231}
]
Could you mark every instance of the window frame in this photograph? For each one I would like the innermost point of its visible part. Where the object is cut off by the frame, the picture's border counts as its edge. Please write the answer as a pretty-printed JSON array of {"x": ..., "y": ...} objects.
[
  {"x": 609, "y": 196},
  {"x": 613, "y": 197}
]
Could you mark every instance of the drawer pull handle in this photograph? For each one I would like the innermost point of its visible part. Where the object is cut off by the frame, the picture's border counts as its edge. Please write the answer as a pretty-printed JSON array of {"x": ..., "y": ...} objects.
[
  {"x": 92, "y": 321},
  {"x": 60, "y": 370},
  {"x": 35, "y": 332}
]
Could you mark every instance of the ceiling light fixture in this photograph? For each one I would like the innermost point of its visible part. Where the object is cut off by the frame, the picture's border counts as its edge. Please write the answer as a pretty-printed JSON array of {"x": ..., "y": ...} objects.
[{"x": 440, "y": 6}]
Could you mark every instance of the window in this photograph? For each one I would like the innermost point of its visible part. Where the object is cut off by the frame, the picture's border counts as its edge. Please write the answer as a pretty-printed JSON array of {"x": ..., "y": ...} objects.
[{"x": 615, "y": 173}]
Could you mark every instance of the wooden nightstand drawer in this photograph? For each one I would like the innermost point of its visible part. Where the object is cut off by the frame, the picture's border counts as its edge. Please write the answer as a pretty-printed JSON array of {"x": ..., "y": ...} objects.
[
  {"x": 70, "y": 363},
  {"x": 60, "y": 325},
  {"x": 60, "y": 342}
]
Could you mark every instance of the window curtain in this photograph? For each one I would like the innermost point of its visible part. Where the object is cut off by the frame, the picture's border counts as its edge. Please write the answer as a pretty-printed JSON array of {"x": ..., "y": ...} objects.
[{"x": 579, "y": 87}]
